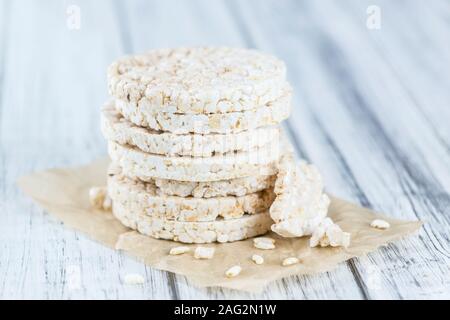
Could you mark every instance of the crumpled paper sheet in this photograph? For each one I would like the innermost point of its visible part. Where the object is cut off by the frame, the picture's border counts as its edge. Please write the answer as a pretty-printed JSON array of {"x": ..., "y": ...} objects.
[{"x": 64, "y": 194}]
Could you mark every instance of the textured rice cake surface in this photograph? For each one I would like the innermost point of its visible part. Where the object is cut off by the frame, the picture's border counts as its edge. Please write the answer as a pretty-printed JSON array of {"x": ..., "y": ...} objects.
[
  {"x": 208, "y": 189},
  {"x": 300, "y": 204},
  {"x": 144, "y": 197},
  {"x": 233, "y": 187},
  {"x": 122, "y": 131},
  {"x": 193, "y": 232},
  {"x": 198, "y": 80},
  {"x": 271, "y": 114},
  {"x": 136, "y": 163}
]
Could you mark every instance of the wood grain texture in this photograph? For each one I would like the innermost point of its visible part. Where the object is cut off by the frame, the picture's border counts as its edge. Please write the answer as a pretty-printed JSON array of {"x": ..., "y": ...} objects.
[{"x": 372, "y": 111}]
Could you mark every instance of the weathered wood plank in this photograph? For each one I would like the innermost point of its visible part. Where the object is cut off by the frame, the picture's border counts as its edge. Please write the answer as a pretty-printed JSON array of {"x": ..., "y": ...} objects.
[
  {"x": 354, "y": 117},
  {"x": 50, "y": 109}
]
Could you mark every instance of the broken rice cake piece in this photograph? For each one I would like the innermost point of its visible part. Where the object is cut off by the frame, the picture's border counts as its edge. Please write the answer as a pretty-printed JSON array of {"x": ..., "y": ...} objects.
[
  {"x": 329, "y": 234},
  {"x": 300, "y": 207}
]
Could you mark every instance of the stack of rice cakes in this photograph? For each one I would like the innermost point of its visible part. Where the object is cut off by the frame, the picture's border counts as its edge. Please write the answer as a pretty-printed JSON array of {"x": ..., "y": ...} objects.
[{"x": 194, "y": 138}]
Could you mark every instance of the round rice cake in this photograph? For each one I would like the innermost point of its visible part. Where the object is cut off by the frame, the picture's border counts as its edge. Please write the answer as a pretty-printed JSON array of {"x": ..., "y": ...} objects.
[
  {"x": 193, "y": 232},
  {"x": 136, "y": 163},
  {"x": 122, "y": 131},
  {"x": 144, "y": 197},
  {"x": 270, "y": 114},
  {"x": 198, "y": 80},
  {"x": 234, "y": 187}
]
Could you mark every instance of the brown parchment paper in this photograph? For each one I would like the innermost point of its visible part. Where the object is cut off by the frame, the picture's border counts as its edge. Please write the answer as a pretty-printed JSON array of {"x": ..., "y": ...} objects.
[{"x": 64, "y": 194}]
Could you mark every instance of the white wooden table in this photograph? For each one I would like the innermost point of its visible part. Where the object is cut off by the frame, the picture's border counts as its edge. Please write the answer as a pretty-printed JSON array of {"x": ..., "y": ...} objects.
[{"x": 372, "y": 111}]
